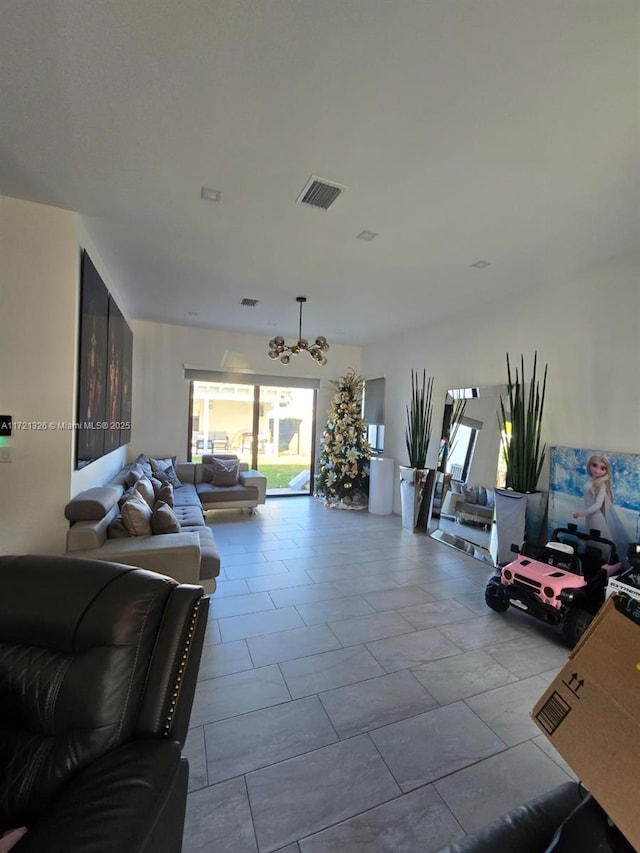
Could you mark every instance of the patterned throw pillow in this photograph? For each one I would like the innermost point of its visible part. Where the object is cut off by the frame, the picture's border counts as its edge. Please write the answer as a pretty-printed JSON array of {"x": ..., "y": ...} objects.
[
  {"x": 164, "y": 519},
  {"x": 223, "y": 472},
  {"x": 165, "y": 471}
]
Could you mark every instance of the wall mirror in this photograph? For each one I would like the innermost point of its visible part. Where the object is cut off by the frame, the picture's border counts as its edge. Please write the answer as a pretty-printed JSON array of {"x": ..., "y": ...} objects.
[{"x": 462, "y": 514}]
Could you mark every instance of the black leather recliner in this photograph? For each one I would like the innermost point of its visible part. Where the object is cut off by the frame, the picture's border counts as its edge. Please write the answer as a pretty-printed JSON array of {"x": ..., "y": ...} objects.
[
  {"x": 98, "y": 667},
  {"x": 564, "y": 820}
]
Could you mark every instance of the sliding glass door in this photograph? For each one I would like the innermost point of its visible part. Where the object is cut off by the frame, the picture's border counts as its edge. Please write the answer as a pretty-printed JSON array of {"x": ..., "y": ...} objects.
[{"x": 269, "y": 427}]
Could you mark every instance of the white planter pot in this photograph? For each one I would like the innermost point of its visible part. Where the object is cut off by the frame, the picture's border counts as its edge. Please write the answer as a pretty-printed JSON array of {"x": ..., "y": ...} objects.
[
  {"x": 412, "y": 493},
  {"x": 519, "y": 515}
]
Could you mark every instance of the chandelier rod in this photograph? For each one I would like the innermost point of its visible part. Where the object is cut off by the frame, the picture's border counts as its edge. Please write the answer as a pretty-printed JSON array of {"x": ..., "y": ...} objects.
[{"x": 301, "y": 300}]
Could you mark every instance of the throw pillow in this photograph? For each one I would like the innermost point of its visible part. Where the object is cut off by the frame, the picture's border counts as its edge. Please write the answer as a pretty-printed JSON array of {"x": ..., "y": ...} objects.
[
  {"x": 125, "y": 496},
  {"x": 136, "y": 515},
  {"x": 164, "y": 519},
  {"x": 144, "y": 487},
  {"x": 470, "y": 494},
  {"x": 133, "y": 474},
  {"x": 163, "y": 491},
  {"x": 117, "y": 530},
  {"x": 491, "y": 499},
  {"x": 225, "y": 472},
  {"x": 482, "y": 496},
  {"x": 456, "y": 487},
  {"x": 145, "y": 463},
  {"x": 165, "y": 471}
]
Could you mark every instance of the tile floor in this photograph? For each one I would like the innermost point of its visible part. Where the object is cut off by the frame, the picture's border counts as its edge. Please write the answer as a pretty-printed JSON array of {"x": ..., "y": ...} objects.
[{"x": 356, "y": 694}]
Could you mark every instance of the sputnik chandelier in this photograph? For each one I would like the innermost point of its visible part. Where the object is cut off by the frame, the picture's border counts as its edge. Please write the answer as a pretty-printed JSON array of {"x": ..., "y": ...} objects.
[{"x": 278, "y": 348}]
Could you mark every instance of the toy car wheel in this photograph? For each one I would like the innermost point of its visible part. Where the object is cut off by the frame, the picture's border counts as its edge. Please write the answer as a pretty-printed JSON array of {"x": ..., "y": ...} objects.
[
  {"x": 576, "y": 623},
  {"x": 495, "y": 596}
]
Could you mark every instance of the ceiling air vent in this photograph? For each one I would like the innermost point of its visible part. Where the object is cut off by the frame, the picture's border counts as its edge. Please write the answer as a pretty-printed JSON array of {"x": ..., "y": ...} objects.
[
  {"x": 319, "y": 193},
  {"x": 248, "y": 303}
]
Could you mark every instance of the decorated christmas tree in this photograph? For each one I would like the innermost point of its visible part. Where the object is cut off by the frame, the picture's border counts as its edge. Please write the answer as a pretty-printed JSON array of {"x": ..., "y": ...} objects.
[{"x": 343, "y": 467}]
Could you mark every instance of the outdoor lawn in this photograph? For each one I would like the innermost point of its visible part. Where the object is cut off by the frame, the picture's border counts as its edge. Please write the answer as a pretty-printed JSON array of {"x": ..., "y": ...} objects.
[{"x": 279, "y": 476}]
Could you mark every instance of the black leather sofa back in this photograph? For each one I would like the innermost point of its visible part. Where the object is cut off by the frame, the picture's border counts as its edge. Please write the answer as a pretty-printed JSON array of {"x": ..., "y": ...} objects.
[{"x": 92, "y": 655}]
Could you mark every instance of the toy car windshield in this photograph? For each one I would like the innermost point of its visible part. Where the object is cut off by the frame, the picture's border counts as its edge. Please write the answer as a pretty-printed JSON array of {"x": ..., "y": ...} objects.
[{"x": 559, "y": 558}]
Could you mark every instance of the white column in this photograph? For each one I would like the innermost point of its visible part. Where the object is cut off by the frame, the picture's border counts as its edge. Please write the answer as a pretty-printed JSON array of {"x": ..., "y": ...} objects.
[{"x": 381, "y": 485}]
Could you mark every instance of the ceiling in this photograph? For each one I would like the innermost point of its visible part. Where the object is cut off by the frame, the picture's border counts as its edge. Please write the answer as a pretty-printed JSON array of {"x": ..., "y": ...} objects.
[{"x": 503, "y": 131}]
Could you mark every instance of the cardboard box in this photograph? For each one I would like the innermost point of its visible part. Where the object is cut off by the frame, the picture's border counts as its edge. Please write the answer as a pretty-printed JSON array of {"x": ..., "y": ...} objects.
[
  {"x": 591, "y": 712},
  {"x": 625, "y": 582}
]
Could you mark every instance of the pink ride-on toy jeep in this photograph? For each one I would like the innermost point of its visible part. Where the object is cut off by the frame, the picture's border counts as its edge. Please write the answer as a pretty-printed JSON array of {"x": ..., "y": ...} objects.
[{"x": 563, "y": 582}]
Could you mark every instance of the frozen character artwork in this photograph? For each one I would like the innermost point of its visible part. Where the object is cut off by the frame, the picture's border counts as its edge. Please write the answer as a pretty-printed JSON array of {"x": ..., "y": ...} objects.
[{"x": 600, "y": 513}]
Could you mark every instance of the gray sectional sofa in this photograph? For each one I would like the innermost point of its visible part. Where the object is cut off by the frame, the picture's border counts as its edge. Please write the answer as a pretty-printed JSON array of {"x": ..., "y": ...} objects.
[
  {"x": 467, "y": 503},
  {"x": 101, "y": 527}
]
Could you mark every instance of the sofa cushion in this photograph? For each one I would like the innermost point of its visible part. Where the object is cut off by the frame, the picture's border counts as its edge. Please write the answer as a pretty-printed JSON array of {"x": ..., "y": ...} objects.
[
  {"x": 144, "y": 487},
  {"x": 164, "y": 519},
  {"x": 136, "y": 515},
  {"x": 92, "y": 504},
  {"x": 186, "y": 495},
  {"x": 189, "y": 516},
  {"x": 221, "y": 472},
  {"x": 210, "y": 494}
]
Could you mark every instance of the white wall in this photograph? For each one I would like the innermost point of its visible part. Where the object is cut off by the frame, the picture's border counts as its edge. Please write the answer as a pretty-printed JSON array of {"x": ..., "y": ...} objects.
[
  {"x": 161, "y": 393},
  {"x": 39, "y": 262},
  {"x": 39, "y": 318},
  {"x": 585, "y": 327}
]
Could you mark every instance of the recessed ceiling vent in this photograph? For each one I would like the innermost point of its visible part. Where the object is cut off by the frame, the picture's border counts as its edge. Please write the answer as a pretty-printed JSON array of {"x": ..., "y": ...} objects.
[
  {"x": 249, "y": 303},
  {"x": 319, "y": 193}
]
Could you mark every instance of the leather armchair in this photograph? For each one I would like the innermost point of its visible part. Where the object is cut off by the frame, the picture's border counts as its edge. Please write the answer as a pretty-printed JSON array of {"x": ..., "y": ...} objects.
[
  {"x": 98, "y": 668},
  {"x": 564, "y": 820},
  {"x": 528, "y": 828}
]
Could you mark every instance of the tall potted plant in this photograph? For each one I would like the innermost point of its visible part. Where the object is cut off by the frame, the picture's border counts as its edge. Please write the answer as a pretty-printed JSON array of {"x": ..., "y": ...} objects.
[
  {"x": 520, "y": 508},
  {"x": 413, "y": 477}
]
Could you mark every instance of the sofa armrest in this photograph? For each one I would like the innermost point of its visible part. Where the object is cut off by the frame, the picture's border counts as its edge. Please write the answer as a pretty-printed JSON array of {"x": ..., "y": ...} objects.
[
  {"x": 255, "y": 478},
  {"x": 133, "y": 798},
  {"x": 174, "y": 554},
  {"x": 450, "y": 502}
]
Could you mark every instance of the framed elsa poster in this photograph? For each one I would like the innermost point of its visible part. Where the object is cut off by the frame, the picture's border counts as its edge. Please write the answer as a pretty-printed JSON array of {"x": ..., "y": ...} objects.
[{"x": 597, "y": 490}]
